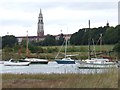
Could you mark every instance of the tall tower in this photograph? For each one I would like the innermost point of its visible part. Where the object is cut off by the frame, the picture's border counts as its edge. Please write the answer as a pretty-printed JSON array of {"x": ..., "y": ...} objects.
[{"x": 40, "y": 30}]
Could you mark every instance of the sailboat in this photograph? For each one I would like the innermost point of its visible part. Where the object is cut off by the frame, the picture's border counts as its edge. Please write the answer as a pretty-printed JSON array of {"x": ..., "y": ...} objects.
[
  {"x": 99, "y": 61},
  {"x": 66, "y": 59},
  {"x": 33, "y": 60},
  {"x": 96, "y": 62}
]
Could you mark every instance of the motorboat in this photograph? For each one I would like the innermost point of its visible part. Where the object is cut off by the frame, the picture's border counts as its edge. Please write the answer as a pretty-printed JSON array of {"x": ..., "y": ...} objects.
[{"x": 12, "y": 62}]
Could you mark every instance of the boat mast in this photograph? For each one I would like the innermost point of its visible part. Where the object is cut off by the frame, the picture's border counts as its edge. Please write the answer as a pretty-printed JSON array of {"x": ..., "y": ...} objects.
[
  {"x": 65, "y": 46},
  {"x": 89, "y": 40},
  {"x": 66, "y": 41},
  {"x": 101, "y": 42},
  {"x": 27, "y": 45}
]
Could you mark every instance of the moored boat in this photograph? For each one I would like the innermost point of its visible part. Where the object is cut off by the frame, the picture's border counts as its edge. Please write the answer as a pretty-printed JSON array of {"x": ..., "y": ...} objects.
[
  {"x": 65, "y": 61},
  {"x": 36, "y": 61},
  {"x": 96, "y": 62},
  {"x": 33, "y": 60},
  {"x": 12, "y": 62},
  {"x": 99, "y": 61}
]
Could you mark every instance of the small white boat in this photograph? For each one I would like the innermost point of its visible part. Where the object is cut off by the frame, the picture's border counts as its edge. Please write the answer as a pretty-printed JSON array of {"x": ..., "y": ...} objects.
[
  {"x": 97, "y": 63},
  {"x": 12, "y": 62}
]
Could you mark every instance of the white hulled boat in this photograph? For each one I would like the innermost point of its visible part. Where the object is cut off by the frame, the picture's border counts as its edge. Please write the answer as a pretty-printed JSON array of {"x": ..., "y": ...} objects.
[
  {"x": 96, "y": 62},
  {"x": 12, "y": 62}
]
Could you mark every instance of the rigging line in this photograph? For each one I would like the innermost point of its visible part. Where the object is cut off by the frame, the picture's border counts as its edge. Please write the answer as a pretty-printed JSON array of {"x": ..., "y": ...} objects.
[
  {"x": 94, "y": 51},
  {"x": 60, "y": 49},
  {"x": 99, "y": 39}
]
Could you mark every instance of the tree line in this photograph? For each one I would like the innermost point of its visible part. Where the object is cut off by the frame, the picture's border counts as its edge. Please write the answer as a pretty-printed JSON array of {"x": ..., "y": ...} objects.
[{"x": 110, "y": 35}]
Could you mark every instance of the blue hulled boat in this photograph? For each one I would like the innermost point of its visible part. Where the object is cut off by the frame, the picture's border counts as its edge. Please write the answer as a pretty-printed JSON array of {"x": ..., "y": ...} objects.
[{"x": 65, "y": 61}]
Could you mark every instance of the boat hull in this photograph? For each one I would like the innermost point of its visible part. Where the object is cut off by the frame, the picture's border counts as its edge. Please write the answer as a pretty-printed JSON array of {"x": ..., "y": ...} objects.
[
  {"x": 16, "y": 63},
  {"x": 65, "y": 62},
  {"x": 36, "y": 61}
]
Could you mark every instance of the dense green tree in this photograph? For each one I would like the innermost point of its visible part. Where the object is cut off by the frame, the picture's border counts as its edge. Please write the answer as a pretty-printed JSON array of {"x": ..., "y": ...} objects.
[
  {"x": 118, "y": 32},
  {"x": 33, "y": 49},
  {"x": 49, "y": 41},
  {"x": 117, "y": 49},
  {"x": 77, "y": 38},
  {"x": 61, "y": 40},
  {"x": 9, "y": 41},
  {"x": 110, "y": 35}
]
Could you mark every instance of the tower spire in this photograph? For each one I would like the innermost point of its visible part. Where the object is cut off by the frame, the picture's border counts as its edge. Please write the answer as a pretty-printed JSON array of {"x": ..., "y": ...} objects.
[
  {"x": 40, "y": 11},
  {"x": 40, "y": 14},
  {"x": 40, "y": 30}
]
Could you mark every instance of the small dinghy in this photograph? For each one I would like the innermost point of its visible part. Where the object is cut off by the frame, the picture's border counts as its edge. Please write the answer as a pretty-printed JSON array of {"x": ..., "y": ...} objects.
[{"x": 12, "y": 62}]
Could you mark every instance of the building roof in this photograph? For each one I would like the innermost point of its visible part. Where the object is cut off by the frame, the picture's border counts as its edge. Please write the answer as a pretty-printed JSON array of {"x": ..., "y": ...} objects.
[{"x": 42, "y": 36}]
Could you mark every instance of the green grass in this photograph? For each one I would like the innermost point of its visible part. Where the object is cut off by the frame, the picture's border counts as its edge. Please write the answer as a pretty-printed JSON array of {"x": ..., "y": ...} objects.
[
  {"x": 83, "y": 48},
  {"x": 50, "y": 52},
  {"x": 104, "y": 80}
]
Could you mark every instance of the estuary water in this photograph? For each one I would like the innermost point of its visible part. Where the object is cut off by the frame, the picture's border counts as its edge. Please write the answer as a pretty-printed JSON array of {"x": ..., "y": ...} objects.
[{"x": 51, "y": 67}]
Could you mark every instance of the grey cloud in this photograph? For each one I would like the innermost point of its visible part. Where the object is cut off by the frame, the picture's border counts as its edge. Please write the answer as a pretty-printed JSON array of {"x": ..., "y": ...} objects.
[
  {"x": 17, "y": 22},
  {"x": 32, "y": 6},
  {"x": 93, "y": 5}
]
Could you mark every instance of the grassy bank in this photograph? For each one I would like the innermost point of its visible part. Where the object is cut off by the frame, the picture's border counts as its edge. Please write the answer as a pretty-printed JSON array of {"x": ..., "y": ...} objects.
[
  {"x": 50, "y": 52},
  {"x": 104, "y": 80}
]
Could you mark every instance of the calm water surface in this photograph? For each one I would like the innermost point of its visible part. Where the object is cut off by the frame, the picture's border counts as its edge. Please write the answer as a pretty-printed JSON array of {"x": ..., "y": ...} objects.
[{"x": 51, "y": 67}]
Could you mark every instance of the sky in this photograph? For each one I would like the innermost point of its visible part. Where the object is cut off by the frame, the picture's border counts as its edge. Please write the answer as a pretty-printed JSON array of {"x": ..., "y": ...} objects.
[{"x": 66, "y": 16}]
